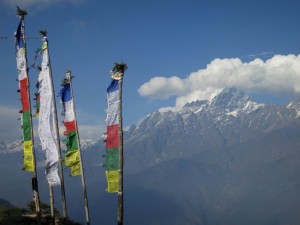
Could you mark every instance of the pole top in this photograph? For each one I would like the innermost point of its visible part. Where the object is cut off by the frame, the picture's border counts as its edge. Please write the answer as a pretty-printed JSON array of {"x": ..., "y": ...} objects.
[
  {"x": 43, "y": 33},
  {"x": 117, "y": 72},
  {"x": 68, "y": 78},
  {"x": 21, "y": 13},
  {"x": 68, "y": 74}
]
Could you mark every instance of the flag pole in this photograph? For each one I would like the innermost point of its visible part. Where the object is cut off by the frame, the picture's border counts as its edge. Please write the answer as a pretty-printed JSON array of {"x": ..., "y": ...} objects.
[
  {"x": 63, "y": 195},
  {"x": 120, "y": 193},
  {"x": 68, "y": 79},
  {"x": 22, "y": 14},
  {"x": 52, "y": 203},
  {"x": 119, "y": 70}
]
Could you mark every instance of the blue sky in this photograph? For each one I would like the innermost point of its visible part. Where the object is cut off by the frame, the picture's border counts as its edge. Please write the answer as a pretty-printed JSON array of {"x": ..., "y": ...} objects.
[{"x": 176, "y": 51}]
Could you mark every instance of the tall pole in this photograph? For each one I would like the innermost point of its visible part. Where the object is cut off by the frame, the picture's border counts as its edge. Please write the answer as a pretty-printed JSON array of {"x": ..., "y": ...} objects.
[
  {"x": 86, "y": 205},
  {"x": 61, "y": 174},
  {"x": 36, "y": 197},
  {"x": 117, "y": 73},
  {"x": 52, "y": 204},
  {"x": 120, "y": 193}
]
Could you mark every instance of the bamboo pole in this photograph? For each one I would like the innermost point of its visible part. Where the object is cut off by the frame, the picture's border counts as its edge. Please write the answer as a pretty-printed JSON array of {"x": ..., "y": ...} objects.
[
  {"x": 36, "y": 197},
  {"x": 120, "y": 193},
  {"x": 117, "y": 73},
  {"x": 52, "y": 204},
  {"x": 86, "y": 205},
  {"x": 63, "y": 195}
]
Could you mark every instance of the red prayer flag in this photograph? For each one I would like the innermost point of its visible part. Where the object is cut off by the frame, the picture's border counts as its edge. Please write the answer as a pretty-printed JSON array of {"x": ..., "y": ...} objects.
[
  {"x": 112, "y": 136},
  {"x": 24, "y": 94},
  {"x": 70, "y": 126}
]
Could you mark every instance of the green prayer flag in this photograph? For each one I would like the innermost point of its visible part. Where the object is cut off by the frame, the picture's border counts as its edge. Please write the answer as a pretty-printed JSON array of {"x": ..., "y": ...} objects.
[
  {"x": 72, "y": 143},
  {"x": 26, "y": 124},
  {"x": 112, "y": 159}
]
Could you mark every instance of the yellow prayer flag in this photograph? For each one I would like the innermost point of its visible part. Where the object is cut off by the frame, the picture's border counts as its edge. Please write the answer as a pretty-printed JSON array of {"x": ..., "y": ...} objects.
[
  {"x": 75, "y": 169},
  {"x": 112, "y": 181},
  {"x": 28, "y": 156},
  {"x": 72, "y": 158}
]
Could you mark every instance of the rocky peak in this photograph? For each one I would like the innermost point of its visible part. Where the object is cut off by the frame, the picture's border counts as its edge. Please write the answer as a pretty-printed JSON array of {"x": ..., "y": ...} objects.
[
  {"x": 195, "y": 104},
  {"x": 295, "y": 106},
  {"x": 232, "y": 100}
]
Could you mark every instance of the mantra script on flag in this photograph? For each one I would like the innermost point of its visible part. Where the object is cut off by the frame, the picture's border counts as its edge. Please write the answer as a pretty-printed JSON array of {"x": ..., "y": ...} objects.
[{"x": 46, "y": 128}]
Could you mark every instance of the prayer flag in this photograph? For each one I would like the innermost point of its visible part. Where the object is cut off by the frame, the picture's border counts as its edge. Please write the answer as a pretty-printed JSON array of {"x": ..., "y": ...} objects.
[
  {"x": 112, "y": 164},
  {"x": 72, "y": 158},
  {"x": 25, "y": 99},
  {"x": 46, "y": 130}
]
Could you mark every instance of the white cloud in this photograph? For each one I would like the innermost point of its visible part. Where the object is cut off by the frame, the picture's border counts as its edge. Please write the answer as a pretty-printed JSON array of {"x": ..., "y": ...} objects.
[
  {"x": 10, "y": 128},
  {"x": 197, "y": 95},
  {"x": 279, "y": 75},
  {"x": 93, "y": 132},
  {"x": 167, "y": 109},
  {"x": 89, "y": 125},
  {"x": 162, "y": 88}
]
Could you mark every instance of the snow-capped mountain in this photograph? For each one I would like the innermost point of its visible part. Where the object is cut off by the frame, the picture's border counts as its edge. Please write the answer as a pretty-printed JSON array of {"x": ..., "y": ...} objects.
[
  {"x": 11, "y": 147},
  {"x": 228, "y": 160},
  {"x": 87, "y": 143},
  {"x": 229, "y": 119},
  {"x": 232, "y": 102},
  {"x": 17, "y": 145}
]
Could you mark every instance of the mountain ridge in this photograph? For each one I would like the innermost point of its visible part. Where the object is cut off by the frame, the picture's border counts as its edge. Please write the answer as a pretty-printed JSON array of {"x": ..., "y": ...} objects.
[
  {"x": 229, "y": 119},
  {"x": 228, "y": 161}
]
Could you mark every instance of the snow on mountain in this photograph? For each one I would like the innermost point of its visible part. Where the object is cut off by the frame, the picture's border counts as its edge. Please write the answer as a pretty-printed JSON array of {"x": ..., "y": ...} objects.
[
  {"x": 231, "y": 111},
  {"x": 219, "y": 160},
  {"x": 230, "y": 118},
  {"x": 229, "y": 103},
  {"x": 17, "y": 145},
  {"x": 233, "y": 102},
  {"x": 87, "y": 143},
  {"x": 11, "y": 147},
  {"x": 295, "y": 107}
]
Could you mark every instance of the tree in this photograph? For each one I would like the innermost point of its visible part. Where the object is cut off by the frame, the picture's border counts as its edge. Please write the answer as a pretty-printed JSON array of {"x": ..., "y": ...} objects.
[
  {"x": 45, "y": 208},
  {"x": 20, "y": 216},
  {"x": 10, "y": 215}
]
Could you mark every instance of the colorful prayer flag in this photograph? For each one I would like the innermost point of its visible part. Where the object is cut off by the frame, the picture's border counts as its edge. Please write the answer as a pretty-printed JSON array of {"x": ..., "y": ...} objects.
[
  {"x": 26, "y": 122},
  {"x": 112, "y": 164},
  {"x": 72, "y": 158}
]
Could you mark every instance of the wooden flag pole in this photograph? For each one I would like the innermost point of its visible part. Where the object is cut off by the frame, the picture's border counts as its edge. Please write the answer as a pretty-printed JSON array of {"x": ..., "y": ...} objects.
[
  {"x": 52, "y": 204},
  {"x": 118, "y": 73},
  {"x": 86, "y": 205},
  {"x": 36, "y": 197},
  {"x": 63, "y": 195},
  {"x": 120, "y": 193}
]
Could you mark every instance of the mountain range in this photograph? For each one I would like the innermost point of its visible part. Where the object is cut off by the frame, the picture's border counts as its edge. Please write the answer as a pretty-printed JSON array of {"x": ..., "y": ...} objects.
[{"x": 227, "y": 160}]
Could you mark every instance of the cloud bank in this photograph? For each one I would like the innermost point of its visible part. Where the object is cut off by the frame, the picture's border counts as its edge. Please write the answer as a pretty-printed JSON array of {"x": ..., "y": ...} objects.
[
  {"x": 279, "y": 75},
  {"x": 10, "y": 128}
]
